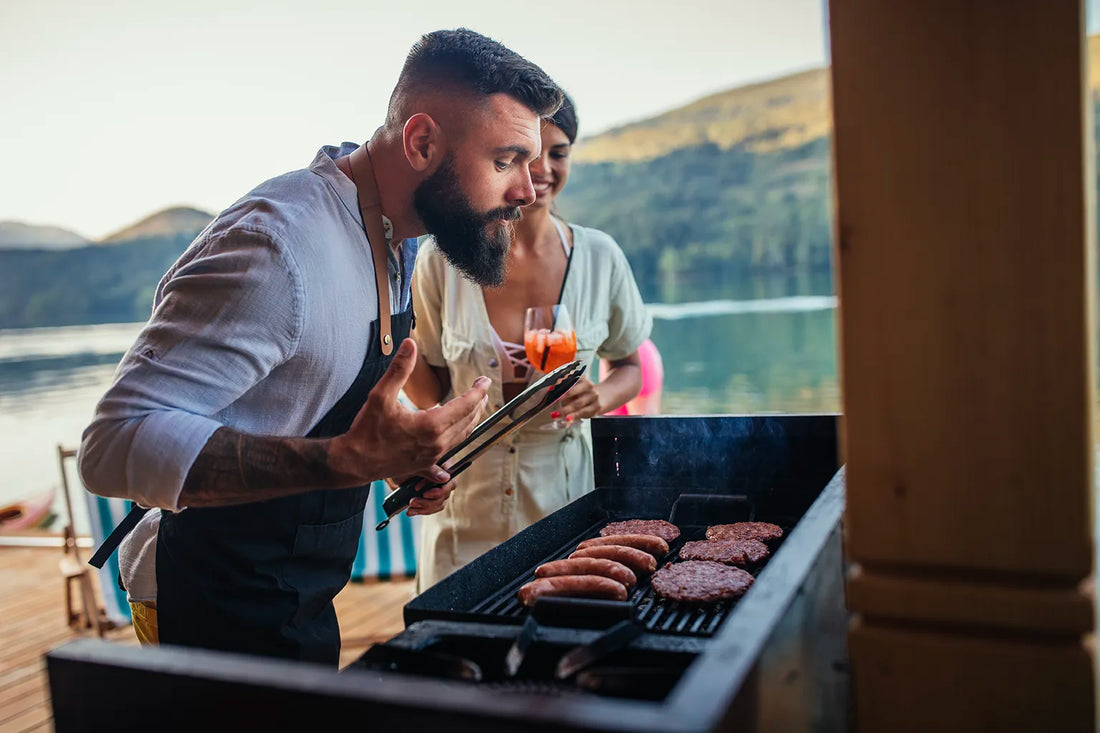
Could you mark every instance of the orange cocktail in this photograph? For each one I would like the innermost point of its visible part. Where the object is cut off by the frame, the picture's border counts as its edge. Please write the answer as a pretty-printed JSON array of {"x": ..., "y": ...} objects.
[{"x": 557, "y": 347}]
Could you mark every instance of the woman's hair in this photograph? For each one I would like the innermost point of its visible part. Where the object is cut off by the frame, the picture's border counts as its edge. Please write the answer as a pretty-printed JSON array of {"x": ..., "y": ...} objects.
[{"x": 566, "y": 118}]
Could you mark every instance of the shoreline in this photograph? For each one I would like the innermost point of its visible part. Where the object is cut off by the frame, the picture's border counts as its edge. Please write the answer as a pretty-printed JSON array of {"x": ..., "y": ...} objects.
[{"x": 43, "y": 538}]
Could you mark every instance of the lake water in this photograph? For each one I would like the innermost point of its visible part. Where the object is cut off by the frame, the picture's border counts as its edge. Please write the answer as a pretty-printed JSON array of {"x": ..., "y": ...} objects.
[{"x": 772, "y": 351}]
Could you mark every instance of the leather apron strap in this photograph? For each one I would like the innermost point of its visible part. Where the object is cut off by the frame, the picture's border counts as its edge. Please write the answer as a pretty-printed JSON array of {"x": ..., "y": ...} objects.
[{"x": 370, "y": 208}]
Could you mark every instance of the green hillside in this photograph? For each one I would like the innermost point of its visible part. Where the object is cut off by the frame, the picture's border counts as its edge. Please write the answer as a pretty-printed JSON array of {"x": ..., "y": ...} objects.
[
  {"x": 94, "y": 284},
  {"x": 706, "y": 210}
]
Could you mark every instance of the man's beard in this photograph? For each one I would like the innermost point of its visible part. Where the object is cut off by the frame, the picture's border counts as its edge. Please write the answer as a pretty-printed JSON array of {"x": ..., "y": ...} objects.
[{"x": 474, "y": 248}]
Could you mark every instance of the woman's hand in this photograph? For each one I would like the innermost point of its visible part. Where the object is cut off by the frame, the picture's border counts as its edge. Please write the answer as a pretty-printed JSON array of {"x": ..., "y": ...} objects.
[
  {"x": 430, "y": 502},
  {"x": 582, "y": 401}
]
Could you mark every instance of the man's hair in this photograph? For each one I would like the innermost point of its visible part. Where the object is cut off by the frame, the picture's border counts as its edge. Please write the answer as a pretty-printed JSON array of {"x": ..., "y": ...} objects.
[
  {"x": 566, "y": 118},
  {"x": 463, "y": 60}
]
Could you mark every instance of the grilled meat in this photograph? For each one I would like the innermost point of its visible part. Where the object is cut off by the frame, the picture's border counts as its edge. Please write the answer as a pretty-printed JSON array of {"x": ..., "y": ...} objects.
[
  {"x": 588, "y": 566},
  {"x": 583, "y": 586},
  {"x": 642, "y": 563},
  {"x": 656, "y": 527},
  {"x": 700, "y": 581},
  {"x": 763, "y": 531},
  {"x": 730, "y": 552},
  {"x": 652, "y": 544}
]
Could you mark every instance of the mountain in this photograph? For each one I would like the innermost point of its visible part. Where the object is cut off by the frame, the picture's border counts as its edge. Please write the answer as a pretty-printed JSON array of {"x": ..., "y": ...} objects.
[
  {"x": 168, "y": 222},
  {"x": 730, "y": 185},
  {"x": 95, "y": 283},
  {"x": 20, "y": 235},
  {"x": 772, "y": 115}
]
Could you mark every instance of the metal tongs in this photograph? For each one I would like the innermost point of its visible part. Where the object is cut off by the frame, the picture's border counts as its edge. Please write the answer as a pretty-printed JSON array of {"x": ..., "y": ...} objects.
[{"x": 521, "y": 408}]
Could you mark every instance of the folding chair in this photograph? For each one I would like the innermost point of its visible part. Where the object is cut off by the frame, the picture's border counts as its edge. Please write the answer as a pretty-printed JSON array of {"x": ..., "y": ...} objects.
[{"x": 75, "y": 571}]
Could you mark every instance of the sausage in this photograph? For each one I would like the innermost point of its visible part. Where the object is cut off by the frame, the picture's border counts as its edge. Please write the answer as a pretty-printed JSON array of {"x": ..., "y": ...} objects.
[
  {"x": 652, "y": 544},
  {"x": 638, "y": 561},
  {"x": 584, "y": 586},
  {"x": 588, "y": 566}
]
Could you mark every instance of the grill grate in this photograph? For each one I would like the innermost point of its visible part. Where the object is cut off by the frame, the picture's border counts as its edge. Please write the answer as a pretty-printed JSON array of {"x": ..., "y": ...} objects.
[{"x": 657, "y": 614}]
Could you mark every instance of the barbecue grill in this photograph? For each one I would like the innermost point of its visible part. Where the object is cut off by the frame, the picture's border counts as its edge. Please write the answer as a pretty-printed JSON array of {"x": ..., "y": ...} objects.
[{"x": 774, "y": 659}]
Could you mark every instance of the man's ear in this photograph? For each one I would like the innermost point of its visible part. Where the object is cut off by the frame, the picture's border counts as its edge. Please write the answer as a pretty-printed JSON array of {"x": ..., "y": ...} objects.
[{"x": 422, "y": 140}]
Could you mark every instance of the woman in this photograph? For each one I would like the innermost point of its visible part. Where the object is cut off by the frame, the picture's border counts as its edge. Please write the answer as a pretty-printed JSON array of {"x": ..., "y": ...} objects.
[{"x": 464, "y": 331}]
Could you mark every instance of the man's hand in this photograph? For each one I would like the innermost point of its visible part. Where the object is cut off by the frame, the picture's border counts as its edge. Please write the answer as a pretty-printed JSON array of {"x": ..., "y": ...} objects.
[
  {"x": 388, "y": 439},
  {"x": 581, "y": 401}
]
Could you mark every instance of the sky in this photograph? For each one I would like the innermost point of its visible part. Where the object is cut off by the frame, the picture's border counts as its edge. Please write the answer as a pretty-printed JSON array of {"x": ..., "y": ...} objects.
[{"x": 115, "y": 109}]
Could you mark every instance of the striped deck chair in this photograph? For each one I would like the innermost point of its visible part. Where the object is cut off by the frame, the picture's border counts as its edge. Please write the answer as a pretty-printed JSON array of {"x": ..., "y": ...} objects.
[
  {"x": 391, "y": 553},
  {"x": 104, "y": 514}
]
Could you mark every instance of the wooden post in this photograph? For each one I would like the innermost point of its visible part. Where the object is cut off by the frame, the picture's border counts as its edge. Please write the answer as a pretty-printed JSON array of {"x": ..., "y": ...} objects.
[{"x": 965, "y": 269}]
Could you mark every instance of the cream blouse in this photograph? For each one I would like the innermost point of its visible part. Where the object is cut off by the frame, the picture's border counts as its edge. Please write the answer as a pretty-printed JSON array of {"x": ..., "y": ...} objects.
[{"x": 533, "y": 472}]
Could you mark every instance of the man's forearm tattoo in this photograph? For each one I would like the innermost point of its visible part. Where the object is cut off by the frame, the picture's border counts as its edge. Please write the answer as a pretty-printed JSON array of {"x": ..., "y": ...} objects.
[{"x": 234, "y": 468}]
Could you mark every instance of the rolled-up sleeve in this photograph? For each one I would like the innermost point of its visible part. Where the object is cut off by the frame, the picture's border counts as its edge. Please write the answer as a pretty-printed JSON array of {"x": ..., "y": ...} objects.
[
  {"x": 629, "y": 321},
  {"x": 226, "y": 315}
]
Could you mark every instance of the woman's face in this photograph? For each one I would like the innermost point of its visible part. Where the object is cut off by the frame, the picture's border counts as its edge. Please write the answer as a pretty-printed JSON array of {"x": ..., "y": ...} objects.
[{"x": 550, "y": 172}]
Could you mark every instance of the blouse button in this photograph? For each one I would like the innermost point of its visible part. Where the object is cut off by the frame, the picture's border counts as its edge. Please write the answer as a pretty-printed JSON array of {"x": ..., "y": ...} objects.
[
  {"x": 494, "y": 363},
  {"x": 509, "y": 491}
]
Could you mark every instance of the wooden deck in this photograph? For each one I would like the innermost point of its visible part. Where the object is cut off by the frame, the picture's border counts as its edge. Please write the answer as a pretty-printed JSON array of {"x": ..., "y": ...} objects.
[{"x": 32, "y": 602}]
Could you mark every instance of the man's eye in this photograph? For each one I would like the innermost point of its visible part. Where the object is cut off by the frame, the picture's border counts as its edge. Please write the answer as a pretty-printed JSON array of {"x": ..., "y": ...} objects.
[
  {"x": 559, "y": 156},
  {"x": 503, "y": 166}
]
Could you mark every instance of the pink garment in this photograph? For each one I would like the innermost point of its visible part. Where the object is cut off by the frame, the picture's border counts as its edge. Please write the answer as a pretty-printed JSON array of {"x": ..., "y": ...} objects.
[{"x": 653, "y": 379}]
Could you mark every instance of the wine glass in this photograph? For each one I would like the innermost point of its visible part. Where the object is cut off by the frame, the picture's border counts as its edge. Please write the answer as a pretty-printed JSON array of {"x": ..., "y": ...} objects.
[{"x": 550, "y": 342}]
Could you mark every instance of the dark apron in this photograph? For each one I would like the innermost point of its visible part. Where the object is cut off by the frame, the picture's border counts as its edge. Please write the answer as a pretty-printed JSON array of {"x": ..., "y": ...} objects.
[{"x": 260, "y": 578}]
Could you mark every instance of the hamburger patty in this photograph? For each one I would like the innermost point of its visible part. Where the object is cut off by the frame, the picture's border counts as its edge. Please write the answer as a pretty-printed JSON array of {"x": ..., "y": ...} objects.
[
  {"x": 763, "y": 531},
  {"x": 730, "y": 552},
  {"x": 700, "y": 581},
  {"x": 656, "y": 527}
]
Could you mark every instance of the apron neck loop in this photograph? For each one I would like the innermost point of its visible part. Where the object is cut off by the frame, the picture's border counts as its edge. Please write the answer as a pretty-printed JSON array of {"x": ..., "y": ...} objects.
[{"x": 370, "y": 208}]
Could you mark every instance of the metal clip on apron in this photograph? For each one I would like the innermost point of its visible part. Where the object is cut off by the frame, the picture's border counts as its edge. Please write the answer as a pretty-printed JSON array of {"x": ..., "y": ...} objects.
[{"x": 259, "y": 578}]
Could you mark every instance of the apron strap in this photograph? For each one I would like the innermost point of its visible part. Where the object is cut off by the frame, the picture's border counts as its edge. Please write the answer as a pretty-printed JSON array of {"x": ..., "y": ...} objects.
[
  {"x": 370, "y": 208},
  {"x": 117, "y": 534}
]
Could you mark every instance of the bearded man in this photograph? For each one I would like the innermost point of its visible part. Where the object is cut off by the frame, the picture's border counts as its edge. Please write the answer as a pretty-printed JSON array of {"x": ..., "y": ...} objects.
[{"x": 260, "y": 401}]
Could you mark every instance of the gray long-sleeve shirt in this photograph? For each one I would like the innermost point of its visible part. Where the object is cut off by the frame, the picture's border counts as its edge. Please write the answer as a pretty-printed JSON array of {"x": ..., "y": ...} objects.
[{"x": 261, "y": 325}]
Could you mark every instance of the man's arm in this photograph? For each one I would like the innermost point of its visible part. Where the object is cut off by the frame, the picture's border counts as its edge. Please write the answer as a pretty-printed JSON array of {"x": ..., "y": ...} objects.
[
  {"x": 226, "y": 315},
  {"x": 385, "y": 439},
  {"x": 235, "y": 468}
]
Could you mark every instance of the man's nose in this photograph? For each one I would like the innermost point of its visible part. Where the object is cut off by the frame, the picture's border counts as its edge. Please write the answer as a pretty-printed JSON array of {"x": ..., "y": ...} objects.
[{"x": 524, "y": 192}]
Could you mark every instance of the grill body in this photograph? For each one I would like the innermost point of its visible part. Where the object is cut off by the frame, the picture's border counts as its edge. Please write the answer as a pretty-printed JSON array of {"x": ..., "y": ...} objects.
[{"x": 773, "y": 660}]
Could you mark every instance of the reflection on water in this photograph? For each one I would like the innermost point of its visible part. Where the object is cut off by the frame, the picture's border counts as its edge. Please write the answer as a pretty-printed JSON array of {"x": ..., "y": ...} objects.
[
  {"x": 730, "y": 285},
  {"x": 765, "y": 345},
  {"x": 749, "y": 362},
  {"x": 793, "y": 304},
  {"x": 50, "y": 381}
]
